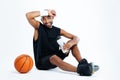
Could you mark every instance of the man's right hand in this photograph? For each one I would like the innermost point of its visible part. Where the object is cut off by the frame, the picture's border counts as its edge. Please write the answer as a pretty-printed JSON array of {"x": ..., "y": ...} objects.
[{"x": 52, "y": 13}]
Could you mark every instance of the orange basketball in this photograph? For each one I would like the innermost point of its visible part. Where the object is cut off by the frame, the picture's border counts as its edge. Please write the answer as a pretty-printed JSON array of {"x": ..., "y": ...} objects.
[{"x": 23, "y": 63}]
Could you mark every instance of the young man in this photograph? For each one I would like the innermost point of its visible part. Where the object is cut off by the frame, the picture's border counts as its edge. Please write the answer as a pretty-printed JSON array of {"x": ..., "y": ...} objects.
[{"x": 47, "y": 52}]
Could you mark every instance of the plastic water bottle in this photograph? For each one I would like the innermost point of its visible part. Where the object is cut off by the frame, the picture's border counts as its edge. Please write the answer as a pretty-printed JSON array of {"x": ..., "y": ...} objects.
[{"x": 61, "y": 44}]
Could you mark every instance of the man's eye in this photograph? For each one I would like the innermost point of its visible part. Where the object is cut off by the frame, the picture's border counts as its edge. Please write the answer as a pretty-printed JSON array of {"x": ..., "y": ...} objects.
[{"x": 49, "y": 17}]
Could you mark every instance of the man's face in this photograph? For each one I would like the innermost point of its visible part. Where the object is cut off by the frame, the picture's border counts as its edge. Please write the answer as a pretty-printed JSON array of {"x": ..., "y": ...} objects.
[{"x": 47, "y": 21}]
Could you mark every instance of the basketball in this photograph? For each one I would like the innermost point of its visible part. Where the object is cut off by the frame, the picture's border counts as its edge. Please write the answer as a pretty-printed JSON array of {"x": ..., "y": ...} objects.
[{"x": 23, "y": 63}]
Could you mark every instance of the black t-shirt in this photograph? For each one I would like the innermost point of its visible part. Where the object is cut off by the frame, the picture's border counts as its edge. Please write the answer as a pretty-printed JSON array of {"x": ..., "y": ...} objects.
[{"x": 47, "y": 41}]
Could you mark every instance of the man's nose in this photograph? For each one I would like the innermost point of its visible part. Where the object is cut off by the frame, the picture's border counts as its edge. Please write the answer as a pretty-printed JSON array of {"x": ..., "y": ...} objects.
[{"x": 48, "y": 20}]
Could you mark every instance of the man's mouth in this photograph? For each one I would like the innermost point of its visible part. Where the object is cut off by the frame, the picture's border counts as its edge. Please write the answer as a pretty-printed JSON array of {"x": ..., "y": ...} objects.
[{"x": 49, "y": 24}]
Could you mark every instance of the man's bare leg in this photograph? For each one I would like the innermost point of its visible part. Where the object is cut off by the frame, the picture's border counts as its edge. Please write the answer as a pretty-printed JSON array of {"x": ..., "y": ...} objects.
[
  {"x": 76, "y": 53},
  {"x": 55, "y": 60}
]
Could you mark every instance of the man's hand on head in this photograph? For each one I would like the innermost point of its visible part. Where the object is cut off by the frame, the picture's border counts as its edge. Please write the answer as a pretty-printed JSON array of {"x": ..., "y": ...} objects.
[{"x": 51, "y": 12}]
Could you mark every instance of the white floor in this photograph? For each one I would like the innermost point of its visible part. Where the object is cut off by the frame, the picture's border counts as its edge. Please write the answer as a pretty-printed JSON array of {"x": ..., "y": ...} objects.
[
  {"x": 108, "y": 71},
  {"x": 55, "y": 74}
]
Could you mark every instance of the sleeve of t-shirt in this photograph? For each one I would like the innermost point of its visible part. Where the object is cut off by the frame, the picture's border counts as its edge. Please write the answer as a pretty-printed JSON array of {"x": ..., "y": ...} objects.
[
  {"x": 40, "y": 26},
  {"x": 57, "y": 29}
]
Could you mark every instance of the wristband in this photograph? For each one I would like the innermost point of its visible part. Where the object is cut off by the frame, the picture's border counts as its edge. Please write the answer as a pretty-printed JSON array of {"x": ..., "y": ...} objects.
[{"x": 44, "y": 12}]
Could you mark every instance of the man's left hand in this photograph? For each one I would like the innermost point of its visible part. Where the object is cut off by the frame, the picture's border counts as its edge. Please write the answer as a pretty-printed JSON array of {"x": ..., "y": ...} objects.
[{"x": 67, "y": 46}]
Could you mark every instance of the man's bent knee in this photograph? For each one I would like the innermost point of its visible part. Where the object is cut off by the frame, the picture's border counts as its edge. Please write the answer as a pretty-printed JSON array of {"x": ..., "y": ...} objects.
[
  {"x": 74, "y": 46},
  {"x": 54, "y": 59}
]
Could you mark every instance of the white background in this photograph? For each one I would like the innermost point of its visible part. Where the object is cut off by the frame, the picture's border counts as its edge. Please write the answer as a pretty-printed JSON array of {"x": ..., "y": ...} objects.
[{"x": 95, "y": 22}]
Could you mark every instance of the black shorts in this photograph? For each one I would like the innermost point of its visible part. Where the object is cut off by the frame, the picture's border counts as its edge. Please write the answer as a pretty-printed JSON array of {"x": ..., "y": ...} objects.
[{"x": 45, "y": 64}]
